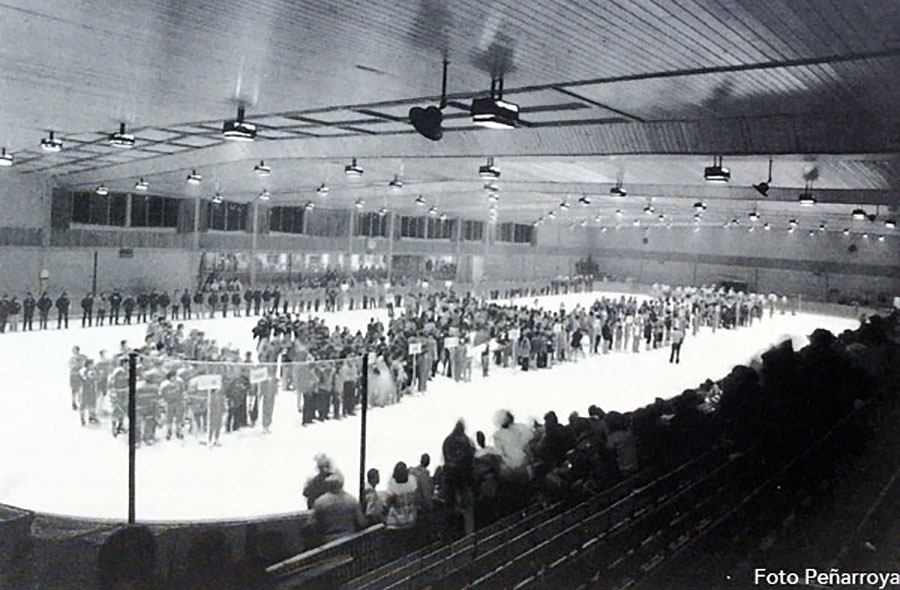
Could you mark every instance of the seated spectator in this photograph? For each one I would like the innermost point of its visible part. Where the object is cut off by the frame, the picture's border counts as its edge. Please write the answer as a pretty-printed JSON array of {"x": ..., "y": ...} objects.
[
  {"x": 402, "y": 499},
  {"x": 510, "y": 440},
  {"x": 335, "y": 512},
  {"x": 315, "y": 486},
  {"x": 424, "y": 481},
  {"x": 373, "y": 499}
]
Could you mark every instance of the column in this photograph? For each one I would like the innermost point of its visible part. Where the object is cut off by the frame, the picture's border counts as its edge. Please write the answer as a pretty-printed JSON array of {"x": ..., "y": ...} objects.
[
  {"x": 390, "y": 256},
  {"x": 253, "y": 243}
]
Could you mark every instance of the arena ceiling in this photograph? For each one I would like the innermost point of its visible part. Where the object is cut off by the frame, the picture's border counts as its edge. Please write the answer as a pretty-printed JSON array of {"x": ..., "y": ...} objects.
[{"x": 642, "y": 92}]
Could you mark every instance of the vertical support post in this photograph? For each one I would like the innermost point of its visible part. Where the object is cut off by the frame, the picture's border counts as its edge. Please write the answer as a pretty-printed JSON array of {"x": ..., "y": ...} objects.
[
  {"x": 350, "y": 235},
  {"x": 94, "y": 275},
  {"x": 253, "y": 243},
  {"x": 364, "y": 412},
  {"x": 196, "y": 239},
  {"x": 132, "y": 431},
  {"x": 390, "y": 256}
]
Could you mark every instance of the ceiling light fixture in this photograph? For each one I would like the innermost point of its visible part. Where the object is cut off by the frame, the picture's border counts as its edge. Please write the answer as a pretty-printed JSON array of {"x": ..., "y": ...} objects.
[
  {"x": 420, "y": 201},
  {"x": 443, "y": 217},
  {"x": 102, "y": 190},
  {"x": 754, "y": 216},
  {"x": 382, "y": 212},
  {"x": 121, "y": 139},
  {"x": 359, "y": 204},
  {"x": 699, "y": 206},
  {"x": 492, "y": 111},
  {"x": 717, "y": 172},
  {"x": 309, "y": 206},
  {"x": 493, "y": 197},
  {"x": 265, "y": 195},
  {"x": 584, "y": 200},
  {"x": 432, "y": 211},
  {"x": 51, "y": 144},
  {"x": 491, "y": 187},
  {"x": 551, "y": 215},
  {"x": 238, "y": 129},
  {"x": 396, "y": 184},
  {"x": 322, "y": 190},
  {"x": 890, "y": 223},
  {"x": 697, "y": 218},
  {"x": 619, "y": 213},
  {"x": 880, "y": 238},
  {"x": 5, "y": 159},
  {"x": 793, "y": 223},
  {"x": 806, "y": 198},
  {"x": 662, "y": 217},
  {"x": 563, "y": 206},
  {"x": 865, "y": 236},
  {"x": 217, "y": 198},
  {"x": 846, "y": 232},
  {"x": 353, "y": 169},
  {"x": 194, "y": 178},
  {"x": 766, "y": 226},
  {"x": 618, "y": 190},
  {"x": 141, "y": 185},
  {"x": 763, "y": 187},
  {"x": 859, "y": 214},
  {"x": 489, "y": 170},
  {"x": 636, "y": 222},
  {"x": 428, "y": 121},
  {"x": 822, "y": 226},
  {"x": 261, "y": 169},
  {"x": 648, "y": 210}
]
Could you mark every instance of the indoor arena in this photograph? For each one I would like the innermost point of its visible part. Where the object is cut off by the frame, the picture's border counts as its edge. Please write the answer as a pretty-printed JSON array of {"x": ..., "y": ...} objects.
[{"x": 418, "y": 294}]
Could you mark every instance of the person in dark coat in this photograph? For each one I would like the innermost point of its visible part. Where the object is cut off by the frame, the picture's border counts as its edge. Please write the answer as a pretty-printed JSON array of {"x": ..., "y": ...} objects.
[
  {"x": 115, "y": 300},
  {"x": 163, "y": 300},
  {"x": 28, "y": 306},
  {"x": 248, "y": 300},
  {"x": 87, "y": 310},
  {"x": 212, "y": 301},
  {"x": 223, "y": 300},
  {"x": 198, "y": 303},
  {"x": 186, "y": 304},
  {"x": 102, "y": 305},
  {"x": 459, "y": 456},
  {"x": 236, "y": 303},
  {"x": 4, "y": 312},
  {"x": 142, "y": 302},
  {"x": 44, "y": 305},
  {"x": 128, "y": 306},
  {"x": 257, "y": 301},
  {"x": 266, "y": 299},
  {"x": 153, "y": 303},
  {"x": 62, "y": 311}
]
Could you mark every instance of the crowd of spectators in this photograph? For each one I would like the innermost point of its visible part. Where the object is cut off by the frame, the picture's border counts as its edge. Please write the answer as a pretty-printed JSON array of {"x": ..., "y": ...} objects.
[{"x": 777, "y": 407}]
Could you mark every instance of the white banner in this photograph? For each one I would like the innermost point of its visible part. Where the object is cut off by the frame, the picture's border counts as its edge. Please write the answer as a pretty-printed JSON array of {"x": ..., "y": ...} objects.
[
  {"x": 204, "y": 382},
  {"x": 258, "y": 375}
]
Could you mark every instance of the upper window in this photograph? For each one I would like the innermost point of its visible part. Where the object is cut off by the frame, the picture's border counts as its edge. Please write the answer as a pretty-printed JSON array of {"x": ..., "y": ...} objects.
[
  {"x": 226, "y": 216},
  {"x": 154, "y": 211},
  {"x": 94, "y": 209}
]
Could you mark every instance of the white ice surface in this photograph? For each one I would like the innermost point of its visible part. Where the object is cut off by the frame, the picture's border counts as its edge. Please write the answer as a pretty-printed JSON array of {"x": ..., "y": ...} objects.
[{"x": 50, "y": 463}]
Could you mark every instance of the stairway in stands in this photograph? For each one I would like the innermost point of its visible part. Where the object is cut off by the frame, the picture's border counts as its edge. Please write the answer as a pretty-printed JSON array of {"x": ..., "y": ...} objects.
[{"x": 532, "y": 548}]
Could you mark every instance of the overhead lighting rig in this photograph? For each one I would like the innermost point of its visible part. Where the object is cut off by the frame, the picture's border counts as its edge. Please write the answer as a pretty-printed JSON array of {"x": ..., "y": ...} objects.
[
  {"x": 309, "y": 206},
  {"x": 618, "y": 190},
  {"x": 806, "y": 198},
  {"x": 121, "y": 139},
  {"x": 265, "y": 195},
  {"x": 261, "y": 169},
  {"x": 396, "y": 184},
  {"x": 353, "y": 169},
  {"x": 488, "y": 170},
  {"x": 141, "y": 185},
  {"x": 492, "y": 111},
  {"x": 359, "y": 204},
  {"x": 238, "y": 129},
  {"x": 194, "y": 178},
  {"x": 584, "y": 200},
  {"x": 717, "y": 172},
  {"x": 51, "y": 144},
  {"x": 5, "y": 159},
  {"x": 217, "y": 198},
  {"x": 428, "y": 121},
  {"x": 102, "y": 190},
  {"x": 763, "y": 187},
  {"x": 322, "y": 190},
  {"x": 859, "y": 214}
]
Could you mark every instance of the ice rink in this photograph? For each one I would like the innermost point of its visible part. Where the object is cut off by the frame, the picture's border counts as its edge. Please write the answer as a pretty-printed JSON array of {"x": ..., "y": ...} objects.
[{"x": 53, "y": 464}]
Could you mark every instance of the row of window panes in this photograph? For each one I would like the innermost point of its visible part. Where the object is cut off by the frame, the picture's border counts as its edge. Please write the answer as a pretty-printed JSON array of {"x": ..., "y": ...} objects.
[
  {"x": 286, "y": 219},
  {"x": 428, "y": 228},
  {"x": 514, "y": 232},
  {"x": 226, "y": 216},
  {"x": 146, "y": 210},
  {"x": 371, "y": 225}
]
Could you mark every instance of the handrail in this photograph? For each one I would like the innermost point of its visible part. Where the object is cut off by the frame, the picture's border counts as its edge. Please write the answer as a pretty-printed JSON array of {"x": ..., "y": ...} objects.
[{"x": 297, "y": 562}]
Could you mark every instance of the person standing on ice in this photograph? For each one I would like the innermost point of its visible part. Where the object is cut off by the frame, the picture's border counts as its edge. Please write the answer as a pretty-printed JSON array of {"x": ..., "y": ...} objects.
[
  {"x": 76, "y": 363},
  {"x": 89, "y": 386},
  {"x": 678, "y": 331}
]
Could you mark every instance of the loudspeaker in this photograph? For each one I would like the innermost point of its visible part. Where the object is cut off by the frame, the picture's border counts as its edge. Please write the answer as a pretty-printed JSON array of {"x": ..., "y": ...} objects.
[{"x": 427, "y": 121}]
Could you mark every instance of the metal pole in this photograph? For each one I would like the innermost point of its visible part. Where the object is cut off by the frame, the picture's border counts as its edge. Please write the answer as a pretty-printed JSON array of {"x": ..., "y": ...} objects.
[
  {"x": 132, "y": 430},
  {"x": 94, "y": 275},
  {"x": 253, "y": 244},
  {"x": 364, "y": 407}
]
